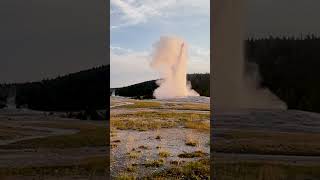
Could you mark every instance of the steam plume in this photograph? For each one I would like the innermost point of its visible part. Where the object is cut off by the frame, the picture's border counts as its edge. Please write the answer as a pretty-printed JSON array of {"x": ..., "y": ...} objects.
[
  {"x": 232, "y": 87},
  {"x": 170, "y": 59}
]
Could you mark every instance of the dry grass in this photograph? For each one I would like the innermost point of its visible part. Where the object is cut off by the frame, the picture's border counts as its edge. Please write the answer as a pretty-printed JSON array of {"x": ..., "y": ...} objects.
[
  {"x": 193, "y": 154},
  {"x": 192, "y": 170},
  {"x": 143, "y": 121},
  {"x": 155, "y": 163},
  {"x": 140, "y": 125},
  {"x": 190, "y": 141},
  {"x": 187, "y": 106},
  {"x": 126, "y": 176},
  {"x": 158, "y": 105},
  {"x": 142, "y": 104},
  {"x": 202, "y": 125},
  {"x": 134, "y": 154},
  {"x": 164, "y": 154},
  {"x": 131, "y": 168}
]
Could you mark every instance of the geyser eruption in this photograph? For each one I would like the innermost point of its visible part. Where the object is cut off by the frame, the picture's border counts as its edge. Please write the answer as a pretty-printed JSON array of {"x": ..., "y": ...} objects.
[
  {"x": 170, "y": 59},
  {"x": 232, "y": 87}
]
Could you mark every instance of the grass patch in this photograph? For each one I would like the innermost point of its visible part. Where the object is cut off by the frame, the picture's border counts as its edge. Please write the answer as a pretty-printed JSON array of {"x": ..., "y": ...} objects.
[
  {"x": 261, "y": 142},
  {"x": 142, "y": 104},
  {"x": 202, "y": 125},
  {"x": 88, "y": 135},
  {"x": 192, "y": 170},
  {"x": 193, "y": 154},
  {"x": 134, "y": 154},
  {"x": 190, "y": 141},
  {"x": 155, "y": 163},
  {"x": 143, "y": 121},
  {"x": 164, "y": 154},
  {"x": 126, "y": 176},
  {"x": 131, "y": 168},
  {"x": 187, "y": 106}
]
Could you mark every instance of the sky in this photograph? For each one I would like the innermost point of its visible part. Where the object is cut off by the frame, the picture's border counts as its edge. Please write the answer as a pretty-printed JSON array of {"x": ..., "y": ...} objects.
[
  {"x": 135, "y": 25},
  {"x": 46, "y": 38},
  {"x": 285, "y": 17}
]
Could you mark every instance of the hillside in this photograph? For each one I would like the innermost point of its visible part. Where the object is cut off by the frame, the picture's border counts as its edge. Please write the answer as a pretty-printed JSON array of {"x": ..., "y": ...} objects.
[
  {"x": 199, "y": 82},
  {"x": 83, "y": 90}
]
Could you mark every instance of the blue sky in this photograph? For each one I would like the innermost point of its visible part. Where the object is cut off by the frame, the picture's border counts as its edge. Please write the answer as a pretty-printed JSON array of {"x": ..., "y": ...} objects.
[{"x": 137, "y": 24}]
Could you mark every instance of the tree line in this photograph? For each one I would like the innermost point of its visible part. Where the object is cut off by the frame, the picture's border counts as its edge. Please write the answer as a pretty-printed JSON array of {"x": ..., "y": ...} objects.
[
  {"x": 289, "y": 67},
  {"x": 84, "y": 90}
]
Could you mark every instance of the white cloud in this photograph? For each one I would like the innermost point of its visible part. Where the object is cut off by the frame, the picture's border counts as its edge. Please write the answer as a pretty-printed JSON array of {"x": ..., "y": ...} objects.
[
  {"x": 199, "y": 51},
  {"x": 119, "y": 50},
  {"x": 199, "y": 60},
  {"x": 133, "y": 12},
  {"x": 129, "y": 67}
]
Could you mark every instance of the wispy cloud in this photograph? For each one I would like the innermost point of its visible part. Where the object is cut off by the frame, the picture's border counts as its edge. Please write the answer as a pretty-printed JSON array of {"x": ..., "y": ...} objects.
[
  {"x": 119, "y": 50},
  {"x": 133, "y": 12}
]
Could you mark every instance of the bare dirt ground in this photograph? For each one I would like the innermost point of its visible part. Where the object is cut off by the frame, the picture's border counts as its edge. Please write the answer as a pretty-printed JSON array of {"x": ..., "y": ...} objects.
[
  {"x": 140, "y": 149},
  {"x": 266, "y": 144},
  {"x": 37, "y": 145}
]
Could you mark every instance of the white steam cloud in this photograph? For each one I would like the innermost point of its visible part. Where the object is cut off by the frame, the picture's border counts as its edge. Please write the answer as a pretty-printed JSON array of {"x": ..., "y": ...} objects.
[
  {"x": 170, "y": 59},
  {"x": 232, "y": 87}
]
